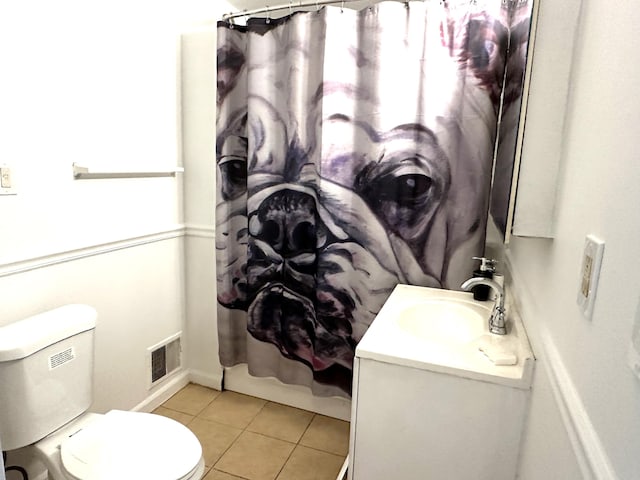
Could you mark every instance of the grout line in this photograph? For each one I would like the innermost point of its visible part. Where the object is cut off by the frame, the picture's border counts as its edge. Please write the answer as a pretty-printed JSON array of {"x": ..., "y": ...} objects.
[
  {"x": 308, "y": 426},
  {"x": 174, "y": 410},
  {"x": 323, "y": 451},
  {"x": 207, "y": 405},
  {"x": 225, "y": 451},
  {"x": 245, "y": 429}
]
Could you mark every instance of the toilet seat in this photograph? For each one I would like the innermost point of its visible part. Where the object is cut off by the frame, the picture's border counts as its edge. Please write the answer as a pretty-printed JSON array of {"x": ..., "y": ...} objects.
[{"x": 131, "y": 446}]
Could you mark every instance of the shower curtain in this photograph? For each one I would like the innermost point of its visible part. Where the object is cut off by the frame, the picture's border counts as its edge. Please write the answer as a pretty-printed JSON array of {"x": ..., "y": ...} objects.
[{"x": 354, "y": 153}]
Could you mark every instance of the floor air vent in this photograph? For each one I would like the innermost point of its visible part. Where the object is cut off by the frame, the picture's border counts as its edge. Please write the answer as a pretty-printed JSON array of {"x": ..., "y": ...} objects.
[{"x": 164, "y": 358}]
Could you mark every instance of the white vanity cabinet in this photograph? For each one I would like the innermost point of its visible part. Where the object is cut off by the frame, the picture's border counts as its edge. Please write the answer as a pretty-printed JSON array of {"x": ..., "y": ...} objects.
[{"x": 422, "y": 413}]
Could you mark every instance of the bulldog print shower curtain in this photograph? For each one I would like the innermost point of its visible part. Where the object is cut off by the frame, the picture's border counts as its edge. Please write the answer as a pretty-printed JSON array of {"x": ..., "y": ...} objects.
[{"x": 354, "y": 153}]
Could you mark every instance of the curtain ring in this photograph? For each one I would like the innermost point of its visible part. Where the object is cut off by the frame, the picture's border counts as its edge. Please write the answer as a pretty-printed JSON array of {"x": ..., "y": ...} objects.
[
  {"x": 342, "y": 7},
  {"x": 317, "y": 6},
  {"x": 268, "y": 20},
  {"x": 290, "y": 7}
]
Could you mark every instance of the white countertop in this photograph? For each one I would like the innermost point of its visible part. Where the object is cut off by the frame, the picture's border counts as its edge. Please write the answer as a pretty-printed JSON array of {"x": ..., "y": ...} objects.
[{"x": 384, "y": 341}]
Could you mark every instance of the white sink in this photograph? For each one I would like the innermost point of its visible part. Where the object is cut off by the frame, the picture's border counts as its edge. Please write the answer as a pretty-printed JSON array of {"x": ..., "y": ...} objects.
[
  {"x": 447, "y": 331},
  {"x": 451, "y": 322}
]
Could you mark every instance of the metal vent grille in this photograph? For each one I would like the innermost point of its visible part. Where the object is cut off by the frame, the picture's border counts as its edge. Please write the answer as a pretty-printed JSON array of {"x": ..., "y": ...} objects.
[
  {"x": 165, "y": 359},
  {"x": 158, "y": 364},
  {"x": 61, "y": 358}
]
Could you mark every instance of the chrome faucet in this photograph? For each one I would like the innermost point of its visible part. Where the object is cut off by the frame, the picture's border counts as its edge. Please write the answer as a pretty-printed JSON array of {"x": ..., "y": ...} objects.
[{"x": 497, "y": 323}]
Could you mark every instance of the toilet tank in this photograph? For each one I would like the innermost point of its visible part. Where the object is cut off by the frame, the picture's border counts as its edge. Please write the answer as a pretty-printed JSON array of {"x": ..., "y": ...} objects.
[{"x": 46, "y": 372}]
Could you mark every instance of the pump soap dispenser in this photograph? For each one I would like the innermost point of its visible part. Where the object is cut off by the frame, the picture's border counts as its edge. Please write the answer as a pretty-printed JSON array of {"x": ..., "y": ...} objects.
[{"x": 486, "y": 270}]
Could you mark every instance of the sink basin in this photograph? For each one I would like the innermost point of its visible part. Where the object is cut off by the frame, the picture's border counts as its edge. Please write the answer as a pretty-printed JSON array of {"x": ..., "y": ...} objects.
[
  {"x": 444, "y": 321},
  {"x": 447, "y": 331}
]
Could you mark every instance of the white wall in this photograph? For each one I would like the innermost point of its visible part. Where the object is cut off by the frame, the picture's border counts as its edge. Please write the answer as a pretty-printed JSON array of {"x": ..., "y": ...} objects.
[
  {"x": 95, "y": 86},
  {"x": 94, "y": 83},
  {"x": 98, "y": 84},
  {"x": 584, "y": 380},
  {"x": 198, "y": 47}
]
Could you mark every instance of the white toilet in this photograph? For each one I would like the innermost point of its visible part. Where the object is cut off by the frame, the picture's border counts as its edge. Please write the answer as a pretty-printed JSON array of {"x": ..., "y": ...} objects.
[{"x": 46, "y": 369}]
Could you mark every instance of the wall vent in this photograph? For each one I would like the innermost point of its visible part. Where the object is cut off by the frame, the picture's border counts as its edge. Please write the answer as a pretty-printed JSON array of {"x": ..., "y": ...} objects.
[{"x": 164, "y": 358}]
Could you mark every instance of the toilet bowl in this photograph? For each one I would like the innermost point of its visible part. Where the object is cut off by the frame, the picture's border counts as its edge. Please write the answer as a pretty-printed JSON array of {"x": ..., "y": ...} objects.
[
  {"x": 121, "y": 445},
  {"x": 46, "y": 363}
]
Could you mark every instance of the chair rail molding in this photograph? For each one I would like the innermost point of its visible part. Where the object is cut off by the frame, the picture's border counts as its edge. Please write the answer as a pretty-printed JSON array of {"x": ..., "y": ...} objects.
[
  {"x": 589, "y": 452},
  {"x": 199, "y": 230},
  {"x": 57, "y": 257}
]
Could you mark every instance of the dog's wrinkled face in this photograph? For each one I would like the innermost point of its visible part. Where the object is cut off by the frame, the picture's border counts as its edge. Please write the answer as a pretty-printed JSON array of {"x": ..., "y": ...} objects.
[
  {"x": 325, "y": 237},
  {"x": 335, "y": 209}
]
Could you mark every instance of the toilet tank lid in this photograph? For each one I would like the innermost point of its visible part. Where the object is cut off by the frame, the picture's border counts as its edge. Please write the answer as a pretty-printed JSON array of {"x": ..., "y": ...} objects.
[{"x": 25, "y": 337}]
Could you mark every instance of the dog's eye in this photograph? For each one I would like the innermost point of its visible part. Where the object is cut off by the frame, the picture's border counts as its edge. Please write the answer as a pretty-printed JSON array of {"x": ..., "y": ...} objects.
[
  {"x": 234, "y": 178},
  {"x": 489, "y": 47},
  {"x": 405, "y": 190}
]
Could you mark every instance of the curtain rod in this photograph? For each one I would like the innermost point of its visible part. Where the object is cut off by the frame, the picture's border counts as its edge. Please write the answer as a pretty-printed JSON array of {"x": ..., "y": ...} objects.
[{"x": 284, "y": 6}]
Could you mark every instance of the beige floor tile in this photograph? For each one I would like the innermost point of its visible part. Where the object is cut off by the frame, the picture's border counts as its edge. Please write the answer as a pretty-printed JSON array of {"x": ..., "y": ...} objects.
[
  {"x": 214, "y": 438},
  {"x": 183, "y": 418},
  {"x": 191, "y": 399},
  {"x": 218, "y": 475},
  {"x": 255, "y": 457},
  {"x": 327, "y": 434},
  {"x": 282, "y": 422},
  {"x": 309, "y": 464},
  {"x": 233, "y": 409}
]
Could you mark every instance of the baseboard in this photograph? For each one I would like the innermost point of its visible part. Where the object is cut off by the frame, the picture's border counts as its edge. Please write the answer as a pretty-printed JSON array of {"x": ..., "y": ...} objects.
[
  {"x": 206, "y": 379},
  {"x": 590, "y": 455},
  {"x": 164, "y": 392},
  {"x": 174, "y": 384}
]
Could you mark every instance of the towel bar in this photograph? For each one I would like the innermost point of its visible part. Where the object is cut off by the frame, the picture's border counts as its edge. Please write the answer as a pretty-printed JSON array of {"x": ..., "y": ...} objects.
[{"x": 82, "y": 173}]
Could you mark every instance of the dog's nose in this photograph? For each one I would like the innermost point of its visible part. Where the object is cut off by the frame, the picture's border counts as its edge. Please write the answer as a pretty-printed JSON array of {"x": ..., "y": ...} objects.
[{"x": 287, "y": 222}]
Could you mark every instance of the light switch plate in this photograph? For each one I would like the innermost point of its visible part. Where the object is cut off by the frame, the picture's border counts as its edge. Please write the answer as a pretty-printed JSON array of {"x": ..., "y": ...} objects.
[
  {"x": 589, "y": 274},
  {"x": 7, "y": 180}
]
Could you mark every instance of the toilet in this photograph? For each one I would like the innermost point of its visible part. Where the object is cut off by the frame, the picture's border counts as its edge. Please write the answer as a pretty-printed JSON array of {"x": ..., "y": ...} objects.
[{"x": 46, "y": 375}]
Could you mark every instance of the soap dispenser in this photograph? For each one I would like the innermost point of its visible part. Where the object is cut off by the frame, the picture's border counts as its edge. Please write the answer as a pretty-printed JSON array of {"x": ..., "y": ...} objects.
[{"x": 486, "y": 270}]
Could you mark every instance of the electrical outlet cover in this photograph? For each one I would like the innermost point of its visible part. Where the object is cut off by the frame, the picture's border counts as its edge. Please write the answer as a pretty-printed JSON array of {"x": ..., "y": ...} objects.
[
  {"x": 589, "y": 274},
  {"x": 633, "y": 357}
]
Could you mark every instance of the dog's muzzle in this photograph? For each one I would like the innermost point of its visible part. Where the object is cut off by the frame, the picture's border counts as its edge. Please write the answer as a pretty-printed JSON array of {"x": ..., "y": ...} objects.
[{"x": 286, "y": 232}]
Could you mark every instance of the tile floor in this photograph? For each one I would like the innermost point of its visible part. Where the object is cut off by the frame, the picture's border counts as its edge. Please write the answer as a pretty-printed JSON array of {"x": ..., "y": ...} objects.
[{"x": 249, "y": 438}]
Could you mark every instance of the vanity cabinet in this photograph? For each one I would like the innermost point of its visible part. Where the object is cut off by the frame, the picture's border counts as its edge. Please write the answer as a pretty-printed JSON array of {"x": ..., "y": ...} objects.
[
  {"x": 423, "y": 412},
  {"x": 413, "y": 424}
]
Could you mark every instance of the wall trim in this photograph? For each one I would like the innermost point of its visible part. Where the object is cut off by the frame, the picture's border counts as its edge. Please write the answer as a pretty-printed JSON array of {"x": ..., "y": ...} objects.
[
  {"x": 168, "y": 389},
  {"x": 200, "y": 230},
  {"x": 55, "y": 258},
  {"x": 590, "y": 454},
  {"x": 206, "y": 379}
]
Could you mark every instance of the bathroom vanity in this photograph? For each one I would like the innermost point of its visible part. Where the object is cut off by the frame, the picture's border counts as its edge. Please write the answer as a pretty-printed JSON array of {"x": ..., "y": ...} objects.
[{"x": 427, "y": 403}]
